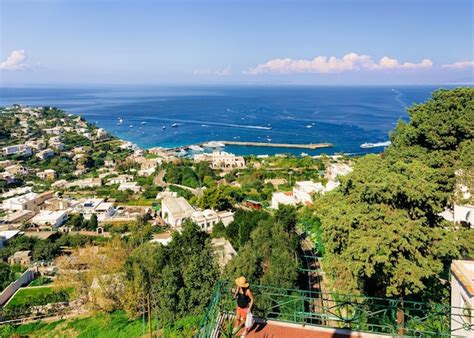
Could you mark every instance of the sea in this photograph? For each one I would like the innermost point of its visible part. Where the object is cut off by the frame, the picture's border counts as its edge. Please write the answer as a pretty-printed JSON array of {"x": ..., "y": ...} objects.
[{"x": 345, "y": 116}]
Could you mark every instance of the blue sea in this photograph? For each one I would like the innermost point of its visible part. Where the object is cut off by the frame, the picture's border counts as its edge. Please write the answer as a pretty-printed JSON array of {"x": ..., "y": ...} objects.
[{"x": 344, "y": 116}]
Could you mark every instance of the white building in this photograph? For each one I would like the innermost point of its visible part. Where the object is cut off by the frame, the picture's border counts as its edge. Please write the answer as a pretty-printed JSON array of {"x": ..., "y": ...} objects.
[
  {"x": 120, "y": 179},
  {"x": 44, "y": 154},
  {"x": 6, "y": 236},
  {"x": 85, "y": 183},
  {"x": 23, "y": 202},
  {"x": 104, "y": 211},
  {"x": 133, "y": 186},
  {"x": 48, "y": 174},
  {"x": 337, "y": 169},
  {"x": 50, "y": 218},
  {"x": 221, "y": 160},
  {"x": 282, "y": 197},
  {"x": 175, "y": 211},
  {"x": 305, "y": 190},
  {"x": 303, "y": 193},
  {"x": 461, "y": 214},
  {"x": 18, "y": 149},
  {"x": 462, "y": 297},
  {"x": 98, "y": 206},
  {"x": 101, "y": 134},
  {"x": 464, "y": 214},
  {"x": 55, "y": 142},
  {"x": 206, "y": 219}
]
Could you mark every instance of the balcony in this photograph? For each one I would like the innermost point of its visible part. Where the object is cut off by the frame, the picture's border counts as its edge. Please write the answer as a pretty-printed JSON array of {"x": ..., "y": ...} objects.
[{"x": 297, "y": 313}]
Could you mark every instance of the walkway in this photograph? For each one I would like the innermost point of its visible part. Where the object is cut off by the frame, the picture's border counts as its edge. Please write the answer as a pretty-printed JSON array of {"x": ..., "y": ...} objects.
[{"x": 274, "y": 329}]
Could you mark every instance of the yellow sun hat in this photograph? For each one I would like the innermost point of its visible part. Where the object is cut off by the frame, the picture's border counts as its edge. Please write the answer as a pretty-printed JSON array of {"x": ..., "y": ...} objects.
[{"x": 242, "y": 282}]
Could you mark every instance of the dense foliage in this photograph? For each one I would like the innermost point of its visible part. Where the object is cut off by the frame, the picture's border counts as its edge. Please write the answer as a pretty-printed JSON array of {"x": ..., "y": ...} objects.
[
  {"x": 381, "y": 229},
  {"x": 178, "y": 279},
  {"x": 269, "y": 256}
]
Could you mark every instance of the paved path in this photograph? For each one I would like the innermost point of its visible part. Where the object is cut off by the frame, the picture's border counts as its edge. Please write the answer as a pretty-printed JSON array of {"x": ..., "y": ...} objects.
[{"x": 282, "y": 330}]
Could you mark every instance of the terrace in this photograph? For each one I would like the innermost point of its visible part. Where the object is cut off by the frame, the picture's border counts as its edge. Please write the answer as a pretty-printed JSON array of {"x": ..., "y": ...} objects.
[{"x": 297, "y": 313}]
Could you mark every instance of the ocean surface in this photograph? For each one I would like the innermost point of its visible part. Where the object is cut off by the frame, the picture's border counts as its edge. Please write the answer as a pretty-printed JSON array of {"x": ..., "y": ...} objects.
[{"x": 343, "y": 116}]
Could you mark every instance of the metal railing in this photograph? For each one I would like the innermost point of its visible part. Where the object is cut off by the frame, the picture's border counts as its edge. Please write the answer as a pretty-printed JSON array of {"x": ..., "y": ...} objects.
[{"x": 331, "y": 310}]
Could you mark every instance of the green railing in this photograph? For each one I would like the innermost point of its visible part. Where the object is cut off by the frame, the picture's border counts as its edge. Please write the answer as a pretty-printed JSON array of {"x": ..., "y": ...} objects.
[{"x": 357, "y": 313}]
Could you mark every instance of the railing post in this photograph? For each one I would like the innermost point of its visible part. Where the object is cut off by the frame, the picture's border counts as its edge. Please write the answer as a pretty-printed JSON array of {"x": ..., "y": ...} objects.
[{"x": 400, "y": 317}]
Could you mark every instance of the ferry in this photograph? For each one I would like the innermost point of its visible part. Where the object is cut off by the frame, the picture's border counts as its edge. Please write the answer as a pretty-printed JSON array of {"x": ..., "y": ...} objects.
[
  {"x": 195, "y": 148},
  {"x": 375, "y": 145},
  {"x": 214, "y": 144}
]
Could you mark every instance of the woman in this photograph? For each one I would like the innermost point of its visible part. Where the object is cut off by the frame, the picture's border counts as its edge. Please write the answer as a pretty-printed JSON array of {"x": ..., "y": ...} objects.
[{"x": 245, "y": 302}]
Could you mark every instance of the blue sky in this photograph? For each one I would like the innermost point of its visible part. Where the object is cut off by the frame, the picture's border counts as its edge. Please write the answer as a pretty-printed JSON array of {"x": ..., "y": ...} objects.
[{"x": 160, "y": 42}]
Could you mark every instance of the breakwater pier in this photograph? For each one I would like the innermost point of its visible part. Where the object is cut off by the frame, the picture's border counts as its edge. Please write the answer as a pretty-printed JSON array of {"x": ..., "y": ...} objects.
[{"x": 276, "y": 145}]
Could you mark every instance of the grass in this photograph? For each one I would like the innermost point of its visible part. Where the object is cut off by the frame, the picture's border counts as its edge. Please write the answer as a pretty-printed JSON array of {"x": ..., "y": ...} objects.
[
  {"x": 100, "y": 325},
  {"x": 28, "y": 295},
  {"x": 41, "y": 281}
]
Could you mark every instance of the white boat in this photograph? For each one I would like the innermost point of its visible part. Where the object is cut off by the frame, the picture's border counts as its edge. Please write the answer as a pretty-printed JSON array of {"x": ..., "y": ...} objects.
[
  {"x": 309, "y": 126},
  {"x": 163, "y": 128},
  {"x": 375, "y": 145},
  {"x": 195, "y": 148},
  {"x": 130, "y": 126},
  {"x": 174, "y": 125},
  {"x": 214, "y": 144},
  {"x": 143, "y": 122},
  {"x": 120, "y": 119}
]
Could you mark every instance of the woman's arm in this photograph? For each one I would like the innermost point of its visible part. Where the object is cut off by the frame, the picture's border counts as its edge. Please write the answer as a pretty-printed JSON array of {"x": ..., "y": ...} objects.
[
  {"x": 235, "y": 292},
  {"x": 252, "y": 299}
]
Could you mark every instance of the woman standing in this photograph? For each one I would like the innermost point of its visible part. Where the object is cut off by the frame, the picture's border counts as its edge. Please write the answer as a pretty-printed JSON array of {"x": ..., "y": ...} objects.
[{"x": 245, "y": 302}]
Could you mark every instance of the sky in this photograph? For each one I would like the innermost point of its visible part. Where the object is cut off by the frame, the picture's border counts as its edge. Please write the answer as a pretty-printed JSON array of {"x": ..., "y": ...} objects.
[{"x": 333, "y": 42}]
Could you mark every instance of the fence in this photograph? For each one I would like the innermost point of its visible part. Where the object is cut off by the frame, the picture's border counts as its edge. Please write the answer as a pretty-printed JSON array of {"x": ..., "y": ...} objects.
[{"x": 331, "y": 310}]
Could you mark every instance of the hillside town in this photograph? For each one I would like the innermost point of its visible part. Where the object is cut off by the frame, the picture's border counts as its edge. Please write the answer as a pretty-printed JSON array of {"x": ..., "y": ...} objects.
[{"x": 81, "y": 210}]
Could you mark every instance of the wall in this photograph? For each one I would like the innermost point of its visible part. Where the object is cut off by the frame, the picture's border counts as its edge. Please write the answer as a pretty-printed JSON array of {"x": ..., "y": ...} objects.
[{"x": 27, "y": 277}]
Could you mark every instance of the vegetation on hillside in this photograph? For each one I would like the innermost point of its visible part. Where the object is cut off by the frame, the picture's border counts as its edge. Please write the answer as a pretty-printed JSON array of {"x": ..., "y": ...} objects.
[{"x": 381, "y": 229}]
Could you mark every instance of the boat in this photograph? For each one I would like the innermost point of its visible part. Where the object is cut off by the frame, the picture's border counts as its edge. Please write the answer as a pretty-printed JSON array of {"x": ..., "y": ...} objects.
[
  {"x": 182, "y": 152},
  {"x": 213, "y": 144},
  {"x": 143, "y": 122},
  {"x": 195, "y": 148},
  {"x": 163, "y": 128},
  {"x": 375, "y": 145},
  {"x": 120, "y": 119},
  {"x": 309, "y": 126},
  {"x": 269, "y": 139},
  {"x": 174, "y": 125},
  {"x": 130, "y": 126}
]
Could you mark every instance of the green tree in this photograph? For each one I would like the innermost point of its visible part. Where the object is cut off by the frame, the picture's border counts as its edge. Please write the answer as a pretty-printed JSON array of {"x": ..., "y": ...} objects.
[
  {"x": 381, "y": 228},
  {"x": 92, "y": 225}
]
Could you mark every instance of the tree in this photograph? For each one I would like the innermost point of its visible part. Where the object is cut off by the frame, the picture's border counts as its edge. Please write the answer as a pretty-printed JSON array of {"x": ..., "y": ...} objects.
[
  {"x": 92, "y": 225},
  {"x": 216, "y": 197},
  {"x": 178, "y": 278},
  {"x": 381, "y": 228}
]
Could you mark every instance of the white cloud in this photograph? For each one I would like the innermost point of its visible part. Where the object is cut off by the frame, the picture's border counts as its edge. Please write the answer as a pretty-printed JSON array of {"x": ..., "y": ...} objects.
[
  {"x": 15, "y": 61},
  {"x": 459, "y": 65},
  {"x": 324, "y": 64},
  {"x": 218, "y": 72}
]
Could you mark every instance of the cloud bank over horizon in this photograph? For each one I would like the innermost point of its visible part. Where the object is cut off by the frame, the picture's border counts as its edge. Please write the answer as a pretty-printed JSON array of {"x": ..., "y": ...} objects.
[
  {"x": 324, "y": 65},
  {"x": 459, "y": 65}
]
